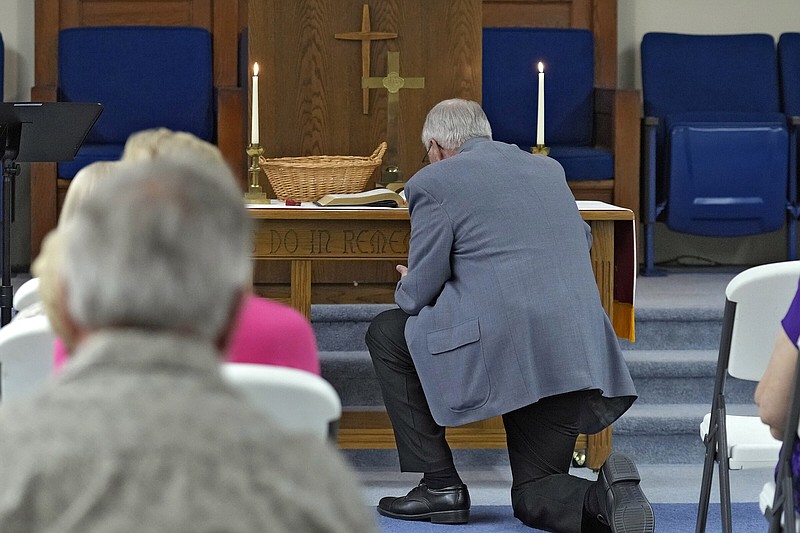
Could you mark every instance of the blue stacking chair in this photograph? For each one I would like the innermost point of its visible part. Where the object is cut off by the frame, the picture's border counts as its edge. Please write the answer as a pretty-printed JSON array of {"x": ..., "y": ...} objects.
[
  {"x": 145, "y": 77},
  {"x": 789, "y": 69},
  {"x": 510, "y": 93},
  {"x": 716, "y": 144}
]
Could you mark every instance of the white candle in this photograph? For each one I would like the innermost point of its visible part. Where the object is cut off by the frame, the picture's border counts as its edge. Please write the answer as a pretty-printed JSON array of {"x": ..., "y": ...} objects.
[
  {"x": 540, "y": 110},
  {"x": 254, "y": 119}
]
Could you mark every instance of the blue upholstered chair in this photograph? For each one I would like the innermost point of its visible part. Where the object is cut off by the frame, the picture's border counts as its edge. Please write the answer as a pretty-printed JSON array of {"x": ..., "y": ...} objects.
[
  {"x": 716, "y": 142},
  {"x": 581, "y": 122},
  {"x": 789, "y": 69},
  {"x": 145, "y": 77}
]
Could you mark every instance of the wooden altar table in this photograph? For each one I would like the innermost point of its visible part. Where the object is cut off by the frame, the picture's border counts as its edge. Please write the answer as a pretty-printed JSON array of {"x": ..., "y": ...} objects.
[{"x": 304, "y": 236}]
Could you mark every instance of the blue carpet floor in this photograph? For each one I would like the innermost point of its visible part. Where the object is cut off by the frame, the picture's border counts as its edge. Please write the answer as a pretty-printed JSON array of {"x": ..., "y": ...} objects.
[{"x": 670, "y": 518}]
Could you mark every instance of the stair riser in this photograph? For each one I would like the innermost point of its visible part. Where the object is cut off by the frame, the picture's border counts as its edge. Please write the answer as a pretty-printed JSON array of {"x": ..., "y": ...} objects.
[
  {"x": 340, "y": 336},
  {"x": 675, "y": 335},
  {"x": 643, "y": 449},
  {"x": 650, "y": 335},
  {"x": 690, "y": 390}
]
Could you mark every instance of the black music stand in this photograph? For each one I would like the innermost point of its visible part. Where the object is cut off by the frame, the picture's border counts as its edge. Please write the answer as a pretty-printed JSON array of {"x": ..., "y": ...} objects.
[{"x": 36, "y": 132}]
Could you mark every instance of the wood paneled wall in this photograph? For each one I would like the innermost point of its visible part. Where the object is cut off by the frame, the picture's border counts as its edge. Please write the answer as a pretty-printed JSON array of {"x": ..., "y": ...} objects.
[{"x": 310, "y": 92}]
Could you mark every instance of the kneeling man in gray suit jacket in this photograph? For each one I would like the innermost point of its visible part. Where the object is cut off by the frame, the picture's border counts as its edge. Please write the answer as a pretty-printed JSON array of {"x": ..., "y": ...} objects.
[{"x": 499, "y": 314}]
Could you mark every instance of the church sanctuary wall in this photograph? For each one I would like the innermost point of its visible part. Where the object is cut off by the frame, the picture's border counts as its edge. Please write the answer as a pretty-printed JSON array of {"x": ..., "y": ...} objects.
[
  {"x": 635, "y": 18},
  {"x": 17, "y": 27}
]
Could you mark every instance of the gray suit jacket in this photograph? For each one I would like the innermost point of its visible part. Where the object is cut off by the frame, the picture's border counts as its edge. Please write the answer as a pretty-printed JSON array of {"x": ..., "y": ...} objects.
[{"x": 505, "y": 308}]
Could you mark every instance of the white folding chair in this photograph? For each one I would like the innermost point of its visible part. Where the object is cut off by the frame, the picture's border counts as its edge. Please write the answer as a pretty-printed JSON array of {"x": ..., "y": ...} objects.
[
  {"x": 756, "y": 301},
  {"x": 766, "y": 502},
  {"x": 297, "y": 400},
  {"x": 26, "y": 357},
  {"x": 27, "y": 294}
]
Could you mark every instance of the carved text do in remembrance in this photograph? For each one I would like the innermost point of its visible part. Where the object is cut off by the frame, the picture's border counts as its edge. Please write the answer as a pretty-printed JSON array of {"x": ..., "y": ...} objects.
[{"x": 346, "y": 242}]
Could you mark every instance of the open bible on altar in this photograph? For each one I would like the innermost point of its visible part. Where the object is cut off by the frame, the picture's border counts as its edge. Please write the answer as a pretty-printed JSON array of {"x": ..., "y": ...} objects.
[{"x": 371, "y": 198}]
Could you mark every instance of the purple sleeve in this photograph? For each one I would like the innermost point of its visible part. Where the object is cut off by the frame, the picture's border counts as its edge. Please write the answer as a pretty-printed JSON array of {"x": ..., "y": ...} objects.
[{"x": 791, "y": 322}]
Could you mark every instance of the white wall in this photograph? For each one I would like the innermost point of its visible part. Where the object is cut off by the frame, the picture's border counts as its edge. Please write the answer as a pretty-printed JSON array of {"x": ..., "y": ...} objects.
[
  {"x": 17, "y": 26},
  {"x": 635, "y": 18}
]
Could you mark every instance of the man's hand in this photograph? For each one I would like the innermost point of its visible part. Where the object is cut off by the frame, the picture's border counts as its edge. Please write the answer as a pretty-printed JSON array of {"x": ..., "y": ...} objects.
[{"x": 403, "y": 270}]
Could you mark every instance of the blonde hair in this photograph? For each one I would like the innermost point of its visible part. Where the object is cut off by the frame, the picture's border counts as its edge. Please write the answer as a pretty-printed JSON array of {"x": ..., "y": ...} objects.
[
  {"x": 178, "y": 146},
  {"x": 46, "y": 266},
  {"x": 82, "y": 186}
]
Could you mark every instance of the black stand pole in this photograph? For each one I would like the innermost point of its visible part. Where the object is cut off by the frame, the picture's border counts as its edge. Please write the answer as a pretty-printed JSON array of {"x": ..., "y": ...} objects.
[
  {"x": 35, "y": 132},
  {"x": 9, "y": 138}
]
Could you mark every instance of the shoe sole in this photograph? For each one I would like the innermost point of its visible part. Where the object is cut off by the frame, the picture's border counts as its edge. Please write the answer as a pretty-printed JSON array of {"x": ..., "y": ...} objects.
[
  {"x": 437, "y": 517},
  {"x": 633, "y": 512}
]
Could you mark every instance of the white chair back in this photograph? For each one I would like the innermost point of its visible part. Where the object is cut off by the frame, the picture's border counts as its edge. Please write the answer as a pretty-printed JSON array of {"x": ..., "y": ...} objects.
[
  {"x": 297, "y": 400},
  {"x": 27, "y": 294},
  {"x": 26, "y": 357},
  {"x": 762, "y": 295}
]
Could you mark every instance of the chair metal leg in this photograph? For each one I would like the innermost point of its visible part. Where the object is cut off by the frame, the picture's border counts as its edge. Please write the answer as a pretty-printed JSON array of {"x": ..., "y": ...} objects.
[
  {"x": 649, "y": 249},
  {"x": 717, "y": 441},
  {"x": 649, "y": 208},
  {"x": 724, "y": 475},
  {"x": 708, "y": 475},
  {"x": 792, "y": 207},
  {"x": 788, "y": 505}
]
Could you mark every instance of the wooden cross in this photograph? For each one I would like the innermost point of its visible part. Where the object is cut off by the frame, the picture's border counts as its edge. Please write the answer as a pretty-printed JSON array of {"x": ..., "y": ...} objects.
[
  {"x": 366, "y": 36},
  {"x": 393, "y": 82}
]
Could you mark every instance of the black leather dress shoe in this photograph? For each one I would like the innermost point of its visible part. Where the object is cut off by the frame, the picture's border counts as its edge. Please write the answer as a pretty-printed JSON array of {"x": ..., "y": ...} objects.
[
  {"x": 441, "y": 506},
  {"x": 627, "y": 508}
]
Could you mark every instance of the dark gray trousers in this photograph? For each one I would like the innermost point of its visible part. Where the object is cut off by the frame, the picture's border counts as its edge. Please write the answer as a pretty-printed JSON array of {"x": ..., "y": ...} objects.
[{"x": 540, "y": 436}]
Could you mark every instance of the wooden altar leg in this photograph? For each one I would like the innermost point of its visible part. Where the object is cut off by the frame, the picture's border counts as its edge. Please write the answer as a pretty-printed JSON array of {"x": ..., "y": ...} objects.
[
  {"x": 598, "y": 447},
  {"x": 301, "y": 287},
  {"x": 602, "y": 255}
]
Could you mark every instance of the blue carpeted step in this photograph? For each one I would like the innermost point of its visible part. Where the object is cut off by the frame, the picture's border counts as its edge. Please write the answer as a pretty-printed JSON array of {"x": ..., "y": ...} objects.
[
  {"x": 342, "y": 327},
  {"x": 661, "y": 377},
  {"x": 676, "y": 329},
  {"x": 666, "y": 433},
  {"x": 681, "y": 376},
  {"x": 352, "y": 375},
  {"x": 662, "y": 419}
]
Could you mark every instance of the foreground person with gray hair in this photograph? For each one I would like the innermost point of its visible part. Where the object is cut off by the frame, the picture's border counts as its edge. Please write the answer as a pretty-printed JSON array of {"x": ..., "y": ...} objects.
[
  {"x": 500, "y": 315},
  {"x": 140, "y": 432}
]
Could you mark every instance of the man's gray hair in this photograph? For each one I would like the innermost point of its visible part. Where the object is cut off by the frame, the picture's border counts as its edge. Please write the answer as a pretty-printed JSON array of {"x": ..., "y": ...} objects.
[
  {"x": 453, "y": 122},
  {"x": 163, "y": 245}
]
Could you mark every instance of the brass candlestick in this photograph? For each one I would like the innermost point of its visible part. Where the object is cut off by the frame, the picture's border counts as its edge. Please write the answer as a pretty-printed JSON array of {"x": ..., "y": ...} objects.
[
  {"x": 540, "y": 149},
  {"x": 255, "y": 194}
]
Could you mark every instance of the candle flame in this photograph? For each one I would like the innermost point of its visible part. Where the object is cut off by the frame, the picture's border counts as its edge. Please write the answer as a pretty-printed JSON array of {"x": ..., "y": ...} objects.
[
  {"x": 541, "y": 66},
  {"x": 255, "y": 69}
]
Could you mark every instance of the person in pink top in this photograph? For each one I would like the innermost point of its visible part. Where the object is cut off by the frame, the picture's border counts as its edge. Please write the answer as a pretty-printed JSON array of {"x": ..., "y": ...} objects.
[
  {"x": 267, "y": 332},
  {"x": 270, "y": 333}
]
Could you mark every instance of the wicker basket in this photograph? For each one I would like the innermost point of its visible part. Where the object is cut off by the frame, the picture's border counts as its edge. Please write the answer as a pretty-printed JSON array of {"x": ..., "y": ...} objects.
[{"x": 308, "y": 179}]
